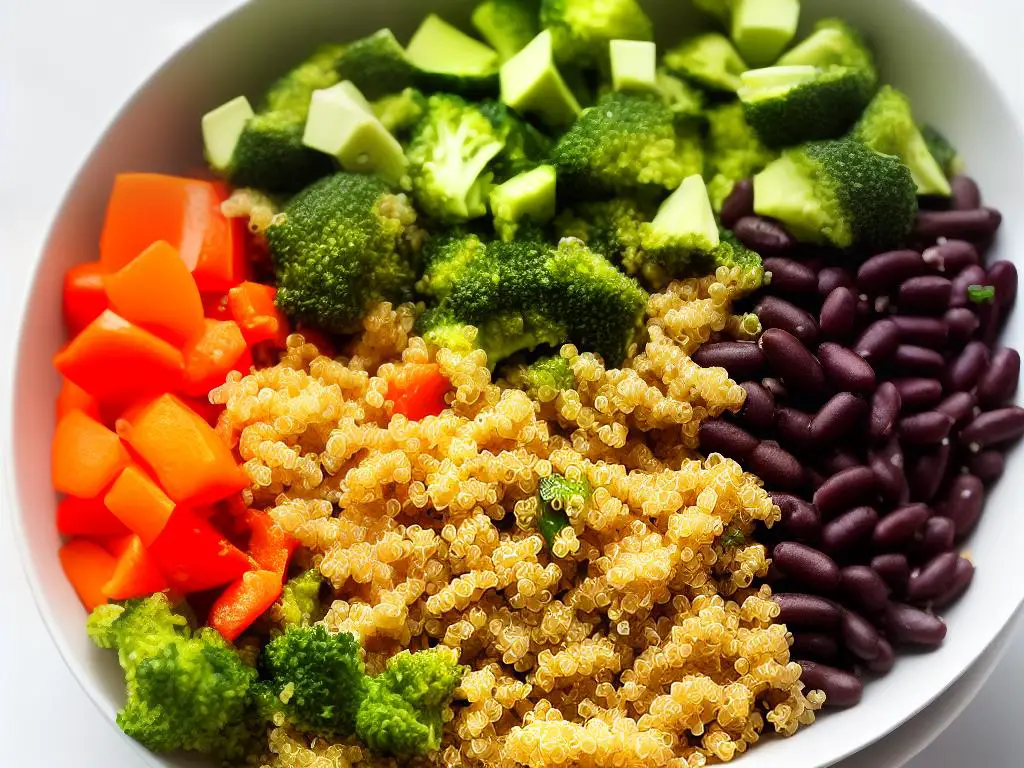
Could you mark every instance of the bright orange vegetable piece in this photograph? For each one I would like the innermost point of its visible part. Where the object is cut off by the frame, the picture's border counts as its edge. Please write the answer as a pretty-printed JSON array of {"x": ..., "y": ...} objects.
[
  {"x": 155, "y": 290},
  {"x": 192, "y": 463},
  {"x": 194, "y": 556},
  {"x": 139, "y": 504},
  {"x": 252, "y": 305},
  {"x": 88, "y": 567},
  {"x": 73, "y": 398},
  {"x": 269, "y": 545},
  {"x": 85, "y": 456},
  {"x": 116, "y": 361},
  {"x": 84, "y": 297},
  {"x": 418, "y": 390},
  {"x": 147, "y": 207},
  {"x": 207, "y": 410},
  {"x": 243, "y": 602},
  {"x": 135, "y": 575},
  {"x": 220, "y": 348},
  {"x": 88, "y": 518}
]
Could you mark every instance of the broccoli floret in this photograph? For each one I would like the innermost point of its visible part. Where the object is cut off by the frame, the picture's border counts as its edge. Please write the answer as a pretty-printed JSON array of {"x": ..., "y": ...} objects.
[
  {"x": 791, "y": 105},
  {"x": 832, "y": 43},
  {"x": 445, "y": 258},
  {"x": 888, "y": 126},
  {"x": 733, "y": 151},
  {"x": 300, "y": 604},
  {"x": 404, "y": 709},
  {"x": 942, "y": 149},
  {"x": 609, "y": 227},
  {"x": 341, "y": 244},
  {"x": 839, "y": 192},
  {"x": 582, "y": 29},
  {"x": 556, "y": 496},
  {"x": 709, "y": 60},
  {"x": 685, "y": 101},
  {"x": 624, "y": 144},
  {"x": 720, "y": 9},
  {"x": 448, "y": 153},
  {"x": 525, "y": 146},
  {"x": 733, "y": 254},
  {"x": 508, "y": 25},
  {"x": 399, "y": 112},
  {"x": 544, "y": 378},
  {"x": 186, "y": 690}
]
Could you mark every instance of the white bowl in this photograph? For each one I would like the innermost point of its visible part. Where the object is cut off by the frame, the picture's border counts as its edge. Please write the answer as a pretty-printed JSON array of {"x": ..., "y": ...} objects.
[{"x": 159, "y": 131}]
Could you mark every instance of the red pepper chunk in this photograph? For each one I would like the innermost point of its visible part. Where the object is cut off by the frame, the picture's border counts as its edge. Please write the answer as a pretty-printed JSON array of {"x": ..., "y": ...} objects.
[
  {"x": 419, "y": 390},
  {"x": 195, "y": 556},
  {"x": 269, "y": 545},
  {"x": 252, "y": 307},
  {"x": 84, "y": 295},
  {"x": 243, "y": 602},
  {"x": 136, "y": 574}
]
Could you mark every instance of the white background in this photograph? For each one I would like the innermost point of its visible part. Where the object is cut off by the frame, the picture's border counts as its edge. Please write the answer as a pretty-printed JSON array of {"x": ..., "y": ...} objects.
[{"x": 65, "y": 67}]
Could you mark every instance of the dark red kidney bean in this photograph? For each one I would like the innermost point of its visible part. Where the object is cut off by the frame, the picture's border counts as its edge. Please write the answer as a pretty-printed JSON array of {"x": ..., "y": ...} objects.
[
  {"x": 962, "y": 579},
  {"x": 800, "y": 520},
  {"x": 763, "y": 235},
  {"x": 831, "y": 278},
  {"x": 775, "y": 387},
  {"x": 879, "y": 341},
  {"x": 774, "y": 312},
  {"x": 814, "y": 646},
  {"x": 963, "y": 503},
  {"x": 928, "y": 332},
  {"x": 962, "y": 323},
  {"x": 912, "y": 360},
  {"x": 951, "y": 256},
  {"x": 972, "y": 275},
  {"x": 720, "y": 436},
  {"x": 793, "y": 427},
  {"x": 998, "y": 382},
  {"x": 894, "y": 569},
  {"x": 791, "y": 277},
  {"x": 758, "y": 409},
  {"x": 987, "y": 466},
  {"x": 882, "y": 274},
  {"x": 846, "y": 370},
  {"x": 842, "y": 689},
  {"x": 792, "y": 362},
  {"x": 1003, "y": 276},
  {"x": 898, "y": 528},
  {"x": 864, "y": 588},
  {"x": 968, "y": 367},
  {"x": 990, "y": 322},
  {"x": 883, "y": 663},
  {"x": 837, "y": 461},
  {"x": 838, "y": 314},
  {"x": 815, "y": 479},
  {"x": 743, "y": 360},
  {"x": 807, "y": 566},
  {"x": 845, "y": 490},
  {"x": 776, "y": 466},
  {"x": 926, "y": 428},
  {"x": 887, "y": 465},
  {"x": 966, "y": 194},
  {"x": 848, "y": 530},
  {"x": 999, "y": 426},
  {"x": 738, "y": 204},
  {"x": 959, "y": 407},
  {"x": 925, "y": 295},
  {"x": 937, "y": 536},
  {"x": 967, "y": 225},
  {"x": 918, "y": 394},
  {"x": 859, "y": 636},
  {"x": 909, "y": 625},
  {"x": 802, "y": 610},
  {"x": 836, "y": 419},
  {"x": 934, "y": 578},
  {"x": 926, "y": 470}
]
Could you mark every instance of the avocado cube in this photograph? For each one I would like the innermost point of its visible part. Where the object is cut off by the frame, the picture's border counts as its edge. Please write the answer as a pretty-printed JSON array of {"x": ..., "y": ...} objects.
[
  {"x": 529, "y": 196},
  {"x": 530, "y": 82},
  {"x": 634, "y": 65},
  {"x": 437, "y": 46},
  {"x": 222, "y": 127},
  {"x": 687, "y": 212},
  {"x": 761, "y": 29}
]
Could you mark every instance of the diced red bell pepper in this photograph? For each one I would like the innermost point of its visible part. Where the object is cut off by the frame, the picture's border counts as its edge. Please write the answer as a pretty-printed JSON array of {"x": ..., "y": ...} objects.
[
  {"x": 85, "y": 456},
  {"x": 139, "y": 504},
  {"x": 418, "y": 390},
  {"x": 219, "y": 349},
  {"x": 243, "y": 602},
  {"x": 84, "y": 296},
  {"x": 269, "y": 545},
  {"x": 73, "y": 398},
  {"x": 215, "y": 306},
  {"x": 88, "y": 518},
  {"x": 136, "y": 574},
  {"x": 195, "y": 556},
  {"x": 88, "y": 567},
  {"x": 253, "y": 308}
]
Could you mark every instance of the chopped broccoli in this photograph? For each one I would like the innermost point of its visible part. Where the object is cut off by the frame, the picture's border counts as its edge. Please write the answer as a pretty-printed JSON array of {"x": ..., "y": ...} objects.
[
  {"x": 342, "y": 244},
  {"x": 832, "y": 43},
  {"x": 733, "y": 254},
  {"x": 761, "y": 29},
  {"x": 582, "y": 29},
  {"x": 399, "y": 112},
  {"x": 888, "y": 126},
  {"x": 525, "y": 146},
  {"x": 545, "y": 377},
  {"x": 945, "y": 154},
  {"x": 445, "y": 257},
  {"x": 556, "y": 495},
  {"x": 791, "y": 105},
  {"x": 839, "y": 192},
  {"x": 709, "y": 60},
  {"x": 685, "y": 101},
  {"x": 508, "y": 25},
  {"x": 186, "y": 690},
  {"x": 733, "y": 151},
  {"x": 720, "y": 9},
  {"x": 448, "y": 153},
  {"x": 300, "y": 604},
  {"x": 609, "y": 227}
]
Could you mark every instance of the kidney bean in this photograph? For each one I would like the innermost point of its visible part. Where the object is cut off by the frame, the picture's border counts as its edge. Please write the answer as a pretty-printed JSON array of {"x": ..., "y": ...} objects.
[
  {"x": 951, "y": 256},
  {"x": 937, "y": 536},
  {"x": 776, "y": 466},
  {"x": 882, "y": 274},
  {"x": 962, "y": 578},
  {"x": 966, "y": 194},
  {"x": 987, "y": 466},
  {"x": 897, "y": 528},
  {"x": 791, "y": 277},
  {"x": 925, "y": 295},
  {"x": 864, "y": 588},
  {"x": 918, "y": 394},
  {"x": 814, "y": 646},
  {"x": 720, "y": 436},
  {"x": 845, "y": 490},
  {"x": 859, "y": 636},
  {"x": 775, "y": 387},
  {"x": 742, "y": 359},
  {"x": 972, "y": 275},
  {"x": 815, "y": 479},
  {"x": 841, "y": 688},
  {"x": 838, "y": 314},
  {"x": 791, "y": 360},
  {"x": 999, "y": 426},
  {"x": 846, "y": 370},
  {"x": 883, "y": 663},
  {"x": 962, "y": 323},
  {"x": 998, "y": 382},
  {"x": 802, "y": 610},
  {"x": 927, "y": 428},
  {"x": 990, "y": 322},
  {"x": 807, "y": 566},
  {"x": 911, "y": 360},
  {"x": 774, "y": 312},
  {"x": 738, "y": 204},
  {"x": 926, "y": 470},
  {"x": 886, "y": 463},
  {"x": 963, "y": 503},
  {"x": 968, "y": 225},
  {"x": 793, "y": 427},
  {"x": 831, "y": 278},
  {"x": 848, "y": 530},
  {"x": 894, "y": 569},
  {"x": 1003, "y": 276},
  {"x": 800, "y": 520},
  {"x": 933, "y": 579},
  {"x": 758, "y": 411},
  {"x": 966, "y": 369},
  {"x": 765, "y": 236},
  {"x": 836, "y": 419},
  {"x": 959, "y": 407},
  {"x": 836, "y": 461},
  {"x": 878, "y": 342},
  {"x": 928, "y": 332},
  {"x": 906, "y": 624}
]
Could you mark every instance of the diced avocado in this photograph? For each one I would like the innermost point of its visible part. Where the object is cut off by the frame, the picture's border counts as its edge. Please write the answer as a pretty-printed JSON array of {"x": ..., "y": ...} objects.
[
  {"x": 222, "y": 128},
  {"x": 530, "y": 82},
  {"x": 761, "y": 29},
  {"x": 348, "y": 88},
  {"x": 437, "y": 46},
  {"x": 340, "y": 125},
  {"x": 784, "y": 191},
  {"x": 773, "y": 81},
  {"x": 687, "y": 213},
  {"x": 634, "y": 65},
  {"x": 530, "y": 196}
]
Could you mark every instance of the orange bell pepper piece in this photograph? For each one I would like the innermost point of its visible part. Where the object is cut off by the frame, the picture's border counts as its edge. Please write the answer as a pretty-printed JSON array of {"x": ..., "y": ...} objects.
[
  {"x": 195, "y": 556},
  {"x": 84, "y": 297},
  {"x": 219, "y": 349},
  {"x": 135, "y": 574},
  {"x": 85, "y": 456},
  {"x": 88, "y": 518},
  {"x": 73, "y": 398},
  {"x": 243, "y": 602},
  {"x": 253, "y": 308},
  {"x": 269, "y": 545},
  {"x": 88, "y": 567},
  {"x": 418, "y": 390},
  {"x": 139, "y": 504}
]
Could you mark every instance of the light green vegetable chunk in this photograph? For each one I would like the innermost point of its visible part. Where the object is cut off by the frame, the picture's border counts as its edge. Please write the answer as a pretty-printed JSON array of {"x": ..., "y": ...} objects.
[
  {"x": 709, "y": 60},
  {"x": 222, "y": 127},
  {"x": 761, "y": 29},
  {"x": 531, "y": 83},
  {"x": 437, "y": 46},
  {"x": 530, "y": 196},
  {"x": 634, "y": 65}
]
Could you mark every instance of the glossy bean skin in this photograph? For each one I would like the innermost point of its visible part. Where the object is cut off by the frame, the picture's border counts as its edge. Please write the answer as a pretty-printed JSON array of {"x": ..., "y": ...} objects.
[
  {"x": 967, "y": 225},
  {"x": 962, "y": 323},
  {"x": 774, "y": 312},
  {"x": 720, "y": 436},
  {"x": 894, "y": 569},
  {"x": 937, "y": 536},
  {"x": 879, "y": 341},
  {"x": 814, "y": 646},
  {"x": 926, "y": 470},
  {"x": 758, "y": 411},
  {"x": 836, "y": 419},
  {"x": 738, "y": 204},
  {"x": 951, "y": 256},
  {"x": 966, "y": 194},
  {"x": 912, "y": 360},
  {"x": 763, "y": 235},
  {"x": 1003, "y": 276},
  {"x": 859, "y": 636},
  {"x": 987, "y": 466},
  {"x": 791, "y": 277},
  {"x": 882, "y": 663},
  {"x": 882, "y": 274},
  {"x": 807, "y": 566},
  {"x": 885, "y": 411},
  {"x": 924, "y": 295},
  {"x": 963, "y": 503},
  {"x": 934, "y": 578},
  {"x": 998, "y": 382},
  {"x": 919, "y": 394},
  {"x": 845, "y": 370},
  {"x": 864, "y": 588},
  {"x": 909, "y": 625},
  {"x": 959, "y": 407},
  {"x": 898, "y": 528},
  {"x": 926, "y": 428},
  {"x": 972, "y": 275},
  {"x": 803, "y": 610},
  {"x": 887, "y": 464},
  {"x": 842, "y": 689},
  {"x": 776, "y": 466},
  {"x": 800, "y": 520},
  {"x": 831, "y": 278},
  {"x": 967, "y": 369},
  {"x": 742, "y": 359},
  {"x": 793, "y": 427},
  {"x": 838, "y": 314},
  {"x": 962, "y": 578},
  {"x": 930, "y": 332},
  {"x": 993, "y": 427},
  {"x": 846, "y": 490},
  {"x": 848, "y": 530},
  {"x": 797, "y": 367},
  {"x": 837, "y": 461},
  {"x": 776, "y": 387}
]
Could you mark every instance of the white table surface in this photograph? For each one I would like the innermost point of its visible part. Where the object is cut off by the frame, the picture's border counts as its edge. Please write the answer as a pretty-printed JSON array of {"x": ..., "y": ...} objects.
[{"x": 65, "y": 66}]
